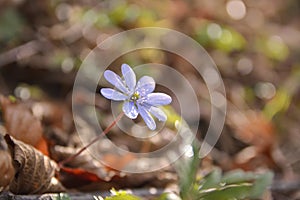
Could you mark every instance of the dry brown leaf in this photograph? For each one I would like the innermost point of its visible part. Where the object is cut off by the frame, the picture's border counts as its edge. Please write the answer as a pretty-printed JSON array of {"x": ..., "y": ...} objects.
[
  {"x": 22, "y": 124},
  {"x": 253, "y": 128},
  {"x": 83, "y": 161},
  {"x": 82, "y": 170},
  {"x": 6, "y": 168},
  {"x": 117, "y": 161},
  {"x": 77, "y": 177},
  {"x": 35, "y": 172},
  {"x": 55, "y": 114}
]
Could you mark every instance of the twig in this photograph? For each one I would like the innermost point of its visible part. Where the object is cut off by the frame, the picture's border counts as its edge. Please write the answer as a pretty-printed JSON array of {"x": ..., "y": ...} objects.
[{"x": 26, "y": 50}]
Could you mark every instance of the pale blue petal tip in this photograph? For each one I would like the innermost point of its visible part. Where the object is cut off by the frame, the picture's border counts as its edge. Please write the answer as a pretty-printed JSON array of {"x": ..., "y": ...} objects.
[
  {"x": 113, "y": 94},
  {"x": 130, "y": 110},
  {"x": 129, "y": 76},
  {"x": 147, "y": 117}
]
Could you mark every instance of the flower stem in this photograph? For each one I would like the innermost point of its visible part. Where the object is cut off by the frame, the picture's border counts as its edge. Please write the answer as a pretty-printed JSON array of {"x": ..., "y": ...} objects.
[{"x": 63, "y": 162}]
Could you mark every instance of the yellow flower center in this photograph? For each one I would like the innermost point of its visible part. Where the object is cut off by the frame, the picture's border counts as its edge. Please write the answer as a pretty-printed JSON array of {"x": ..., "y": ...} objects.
[{"x": 135, "y": 96}]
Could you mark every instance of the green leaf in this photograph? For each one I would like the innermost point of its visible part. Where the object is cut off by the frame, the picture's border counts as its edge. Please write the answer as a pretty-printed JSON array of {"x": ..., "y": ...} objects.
[
  {"x": 238, "y": 176},
  {"x": 118, "y": 14},
  {"x": 278, "y": 104},
  {"x": 12, "y": 99},
  {"x": 229, "y": 192},
  {"x": 230, "y": 40},
  {"x": 273, "y": 47},
  {"x": 187, "y": 172},
  {"x": 261, "y": 183},
  {"x": 121, "y": 195},
  {"x": 212, "y": 180},
  {"x": 221, "y": 37},
  {"x": 235, "y": 184},
  {"x": 169, "y": 196}
]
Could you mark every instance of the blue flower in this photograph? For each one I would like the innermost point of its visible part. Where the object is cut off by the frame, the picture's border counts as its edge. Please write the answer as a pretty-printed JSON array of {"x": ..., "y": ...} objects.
[{"x": 138, "y": 97}]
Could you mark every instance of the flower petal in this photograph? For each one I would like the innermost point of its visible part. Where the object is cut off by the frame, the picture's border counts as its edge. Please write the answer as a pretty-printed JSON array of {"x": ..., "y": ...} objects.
[
  {"x": 147, "y": 117},
  {"x": 158, "y": 113},
  {"x": 113, "y": 94},
  {"x": 115, "y": 80},
  {"x": 145, "y": 85},
  {"x": 158, "y": 99},
  {"x": 129, "y": 76},
  {"x": 130, "y": 110}
]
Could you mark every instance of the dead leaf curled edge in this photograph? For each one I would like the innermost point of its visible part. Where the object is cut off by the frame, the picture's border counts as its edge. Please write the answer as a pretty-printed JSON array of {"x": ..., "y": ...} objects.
[{"x": 35, "y": 172}]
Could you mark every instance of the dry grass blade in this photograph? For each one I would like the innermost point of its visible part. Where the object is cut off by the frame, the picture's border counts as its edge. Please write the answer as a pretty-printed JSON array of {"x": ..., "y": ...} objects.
[{"x": 35, "y": 172}]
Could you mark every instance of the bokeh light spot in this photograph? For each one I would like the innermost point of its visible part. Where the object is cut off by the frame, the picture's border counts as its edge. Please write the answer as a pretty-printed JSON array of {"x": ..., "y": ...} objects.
[
  {"x": 265, "y": 90},
  {"x": 244, "y": 66},
  {"x": 236, "y": 9},
  {"x": 67, "y": 65},
  {"x": 214, "y": 31},
  {"x": 22, "y": 92}
]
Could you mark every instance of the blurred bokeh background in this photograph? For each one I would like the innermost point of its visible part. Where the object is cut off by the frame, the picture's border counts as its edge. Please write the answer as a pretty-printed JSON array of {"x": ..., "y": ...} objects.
[{"x": 255, "y": 45}]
